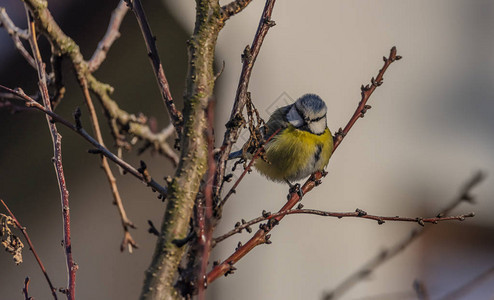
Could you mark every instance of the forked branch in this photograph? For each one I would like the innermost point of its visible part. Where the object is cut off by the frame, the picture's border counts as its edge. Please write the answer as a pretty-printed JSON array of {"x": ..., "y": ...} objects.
[
  {"x": 385, "y": 255},
  {"x": 100, "y": 149},
  {"x": 53, "y": 290},
  {"x": 111, "y": 35},
  {"x": 57, "y": 158},
  {"x": 262, "y": 235},
  {"x": 150, "y": 40},
  {"x": 358, "y": 213}
]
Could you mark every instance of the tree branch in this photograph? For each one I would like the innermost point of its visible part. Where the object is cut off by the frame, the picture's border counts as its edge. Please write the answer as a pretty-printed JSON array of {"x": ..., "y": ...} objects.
[
  {"x": 261, "y": 236},
  {"x": 358, "y": 213},
  {"x": 127, "y": 241},
  {"x": 175, "y": 115},
  {"x": 184, "y": 186},
  {"x": 366, "y": 93},
  {"x": 53, "y": 290},
  {"x": 386, "y": 255},
  {"x": 241, "y": 97},
  {"x": 205, "y": 214},
  {"x": 57, "y": 158},
  {"x": 120, "y": 120},
  {"x": 16, "y": 34},
  {"x": 100, "y": 149},
  {"x": 110, "y": 36},
  {"x": 461, "y": 291}
]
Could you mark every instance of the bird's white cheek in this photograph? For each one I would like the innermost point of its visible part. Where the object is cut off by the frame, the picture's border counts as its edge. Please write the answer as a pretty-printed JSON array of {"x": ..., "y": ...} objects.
[{"x": 318, "y": 127}]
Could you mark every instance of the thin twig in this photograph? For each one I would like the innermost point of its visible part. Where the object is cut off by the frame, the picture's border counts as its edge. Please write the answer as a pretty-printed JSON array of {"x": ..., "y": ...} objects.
[
  {"x": 25, "y": 289},
  {"x": 366, "y": 92},
  {"x": 121, "y": 122},
  {"x": 175, "y": 115},
  {"x": 241, "y": 97},
  {"x": 421, "y": 290},
  {"x": 206, "y": 213},
  {"x": 358, "y": 213},
  {"x": 100, "y": 149},
  {"x": 55, "y": 79},
  {"x": 16, "y": 34},
  {"x": 127, "y": 241},
  {"x": 460, "y": 292},
  {"x": 386, "y": 255},
  {"x": 53, "y": 290},
  {"x": 112, "y": 33},
  {"x": 262, "y": 236},
  {"x": 57, "y": 158}
]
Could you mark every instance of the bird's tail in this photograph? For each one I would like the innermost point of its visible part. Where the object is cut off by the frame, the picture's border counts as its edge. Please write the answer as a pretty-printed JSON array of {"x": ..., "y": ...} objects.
[{"x": 236, "y": 154}]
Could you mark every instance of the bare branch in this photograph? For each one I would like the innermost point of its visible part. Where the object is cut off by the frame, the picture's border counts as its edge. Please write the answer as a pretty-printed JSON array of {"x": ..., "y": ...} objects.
[
  {"x": 53, "y": 290},
  {"x": 205, "y": 214},
  {"x": 57, "y": 158},
  {"x": 25, "y": 290},
  {"x": 366, "y": 93},
  {"x": 110, "y": 36},
  {"x": 241, "y": 97},
  {"x": 17, "y": 34},
  {"x": 184, "y": 187},
  {"x": 460, "y": 292},
  {"x": 358, "y": 213},
  {"x": 128, "y": 241},
  {"x": 175, "y": 115},
  {"x": 100, "y": 149},
  {"x": 262, "y": 236},
  {"x": 385, "y": 255},
  {"x": 120, "y": 120}
]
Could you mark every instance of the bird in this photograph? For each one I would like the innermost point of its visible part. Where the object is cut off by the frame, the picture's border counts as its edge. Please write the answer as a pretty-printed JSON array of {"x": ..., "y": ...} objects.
[{"x": 302, "y": 146}]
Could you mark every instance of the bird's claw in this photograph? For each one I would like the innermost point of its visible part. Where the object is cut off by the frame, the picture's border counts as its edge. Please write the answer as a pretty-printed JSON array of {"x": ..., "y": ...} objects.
[{"x": 295, "y": 188}]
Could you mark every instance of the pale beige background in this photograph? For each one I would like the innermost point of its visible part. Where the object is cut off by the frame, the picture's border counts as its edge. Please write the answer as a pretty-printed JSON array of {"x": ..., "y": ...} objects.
[{"x": 430, "y": 128}]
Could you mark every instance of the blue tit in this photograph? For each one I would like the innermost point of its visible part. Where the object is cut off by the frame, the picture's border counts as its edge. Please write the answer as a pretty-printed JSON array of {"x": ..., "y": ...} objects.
[{"x": 303, "y": 145}]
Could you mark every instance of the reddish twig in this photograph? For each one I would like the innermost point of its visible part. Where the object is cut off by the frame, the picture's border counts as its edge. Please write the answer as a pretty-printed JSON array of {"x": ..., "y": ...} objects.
[
  {"x": 112, "y": 33},
  {"x": 127, "y": 241},
  {"x": 460, "y": 292},
  {"x": 175, "y": 115},
  {"x": 366, "y": 93},
  {"x": 25, "y": 290},
  {"x": 57, "y": 158},
  {"x": 33, "y": 250},
  {"x": 100, "y": 149},
  {"x": 205, "y": 214},
  {"x": 386, "y": 255},
  {"x": 241, "y": 97},
  {"x": 262, "y": 235},
  {"x": 358, "y": 213}
]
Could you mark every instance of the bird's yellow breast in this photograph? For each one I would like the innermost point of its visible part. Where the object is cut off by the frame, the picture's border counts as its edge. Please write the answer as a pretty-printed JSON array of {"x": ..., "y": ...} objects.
[{"x": 294, "y": 154}]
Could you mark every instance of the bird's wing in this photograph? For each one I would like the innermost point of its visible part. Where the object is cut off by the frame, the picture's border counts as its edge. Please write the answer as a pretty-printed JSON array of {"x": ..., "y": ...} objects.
[{"x": 277, "y": 121}]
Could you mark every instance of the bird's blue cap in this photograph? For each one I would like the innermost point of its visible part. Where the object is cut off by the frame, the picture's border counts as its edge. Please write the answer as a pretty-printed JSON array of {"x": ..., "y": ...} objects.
[{"x": 312, "y": 105}]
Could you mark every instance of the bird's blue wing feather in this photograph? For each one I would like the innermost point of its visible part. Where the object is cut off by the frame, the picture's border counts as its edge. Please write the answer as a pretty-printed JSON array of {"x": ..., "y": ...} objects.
[{"x": 236, "y": 154}]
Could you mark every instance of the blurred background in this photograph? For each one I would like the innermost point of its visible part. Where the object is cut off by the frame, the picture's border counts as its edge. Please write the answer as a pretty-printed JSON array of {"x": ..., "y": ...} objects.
[{"x": 429, "y": 130}]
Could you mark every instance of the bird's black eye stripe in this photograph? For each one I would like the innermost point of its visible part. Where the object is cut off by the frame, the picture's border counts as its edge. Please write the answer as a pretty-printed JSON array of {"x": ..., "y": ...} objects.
[
  {"x": 316, "y": 119},
  {"x": 307, "y": 120}
]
